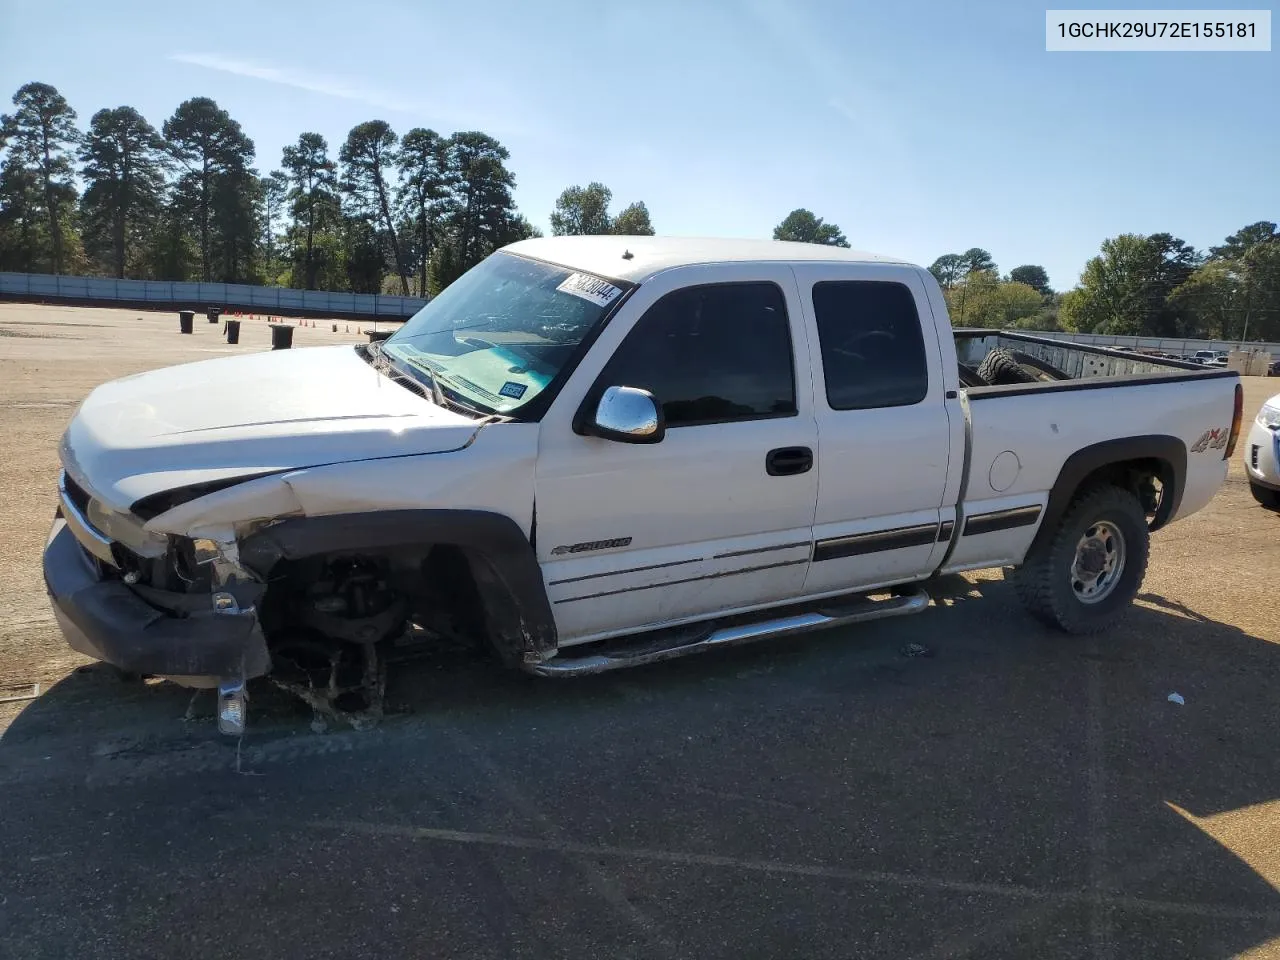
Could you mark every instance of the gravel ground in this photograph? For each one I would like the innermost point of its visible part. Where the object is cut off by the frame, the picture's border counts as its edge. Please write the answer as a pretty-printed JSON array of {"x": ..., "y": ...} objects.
[{"x": 1015, "y": 794}]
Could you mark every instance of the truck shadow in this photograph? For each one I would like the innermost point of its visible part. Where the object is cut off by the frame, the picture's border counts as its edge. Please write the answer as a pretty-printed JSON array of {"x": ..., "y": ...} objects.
[{"x": 981, "y": 757}]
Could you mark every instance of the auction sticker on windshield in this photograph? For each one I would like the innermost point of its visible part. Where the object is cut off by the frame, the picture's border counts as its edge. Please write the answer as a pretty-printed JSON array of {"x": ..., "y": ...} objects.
[{"x": 589, "y": 288}]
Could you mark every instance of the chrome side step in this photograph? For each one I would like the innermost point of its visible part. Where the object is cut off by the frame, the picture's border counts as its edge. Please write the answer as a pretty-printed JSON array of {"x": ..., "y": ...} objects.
[{"x": 681, "y": 643}]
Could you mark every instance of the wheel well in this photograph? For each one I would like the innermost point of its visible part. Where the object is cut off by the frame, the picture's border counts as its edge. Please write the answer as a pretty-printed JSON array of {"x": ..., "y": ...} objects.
[
  {"x": 1147, "y": 478},
  {"x": 435, "y": 583},
  {"x": 492, "y": 548},
  {"x": 1152, "y": 467},
  {"x": 447, "y": 571}
]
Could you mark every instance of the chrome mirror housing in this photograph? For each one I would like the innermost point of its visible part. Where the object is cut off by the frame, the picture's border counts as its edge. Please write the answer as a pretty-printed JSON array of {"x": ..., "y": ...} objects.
[{"x": 628, "y": 415}]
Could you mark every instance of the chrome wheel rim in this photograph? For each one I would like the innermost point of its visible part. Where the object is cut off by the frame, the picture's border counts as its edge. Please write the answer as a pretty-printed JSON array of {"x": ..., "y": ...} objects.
[{"x": 1098, "y": 563}]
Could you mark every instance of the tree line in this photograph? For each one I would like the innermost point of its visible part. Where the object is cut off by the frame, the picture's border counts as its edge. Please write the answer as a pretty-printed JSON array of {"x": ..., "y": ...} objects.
[
  {"x": 1153, "y": 285},
  {"x": 403, "y": 214},
  {"x": 409, "y": 214},
  {"x": 1144, "y": 285}
]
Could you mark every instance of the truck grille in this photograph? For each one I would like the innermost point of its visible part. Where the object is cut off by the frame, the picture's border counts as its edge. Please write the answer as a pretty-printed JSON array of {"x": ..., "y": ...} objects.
[
  {"x": 114, "y": 537},
  {"x": 77, "y": 494}
]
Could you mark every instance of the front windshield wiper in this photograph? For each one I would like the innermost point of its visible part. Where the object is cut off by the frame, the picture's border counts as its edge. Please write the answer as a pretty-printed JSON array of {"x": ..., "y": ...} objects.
[
  {"x": 470, "y": 409},
  {"x": 385, "y": 365},
  {"x": 436, "y": 393}
]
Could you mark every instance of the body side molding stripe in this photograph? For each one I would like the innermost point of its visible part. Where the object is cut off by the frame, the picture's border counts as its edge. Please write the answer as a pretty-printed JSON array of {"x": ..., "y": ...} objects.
[
  {"x": 875, "y": 541},
  {"x": 672, "y": 583},
  {"x": 681, "y": 563},
  {"x": 780, "y": 546},
  {"x": 981, "y": 523},
  {"x": 618, "y": 573}
]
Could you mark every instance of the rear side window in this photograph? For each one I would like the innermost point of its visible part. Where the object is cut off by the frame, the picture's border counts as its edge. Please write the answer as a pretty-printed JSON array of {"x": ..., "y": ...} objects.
[
  {"x": 872, "y": 346},
  {"x": 712, "y": 354}
]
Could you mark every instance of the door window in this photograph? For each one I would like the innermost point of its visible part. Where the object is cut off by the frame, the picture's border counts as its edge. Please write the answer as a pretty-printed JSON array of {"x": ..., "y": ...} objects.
[
  {"x": 712, "y": 354},
  {"x": 872, "y": 347}
]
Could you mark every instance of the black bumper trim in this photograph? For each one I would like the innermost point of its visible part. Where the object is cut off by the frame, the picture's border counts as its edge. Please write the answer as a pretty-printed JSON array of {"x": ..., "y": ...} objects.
[{"x": 114, "y": 624}]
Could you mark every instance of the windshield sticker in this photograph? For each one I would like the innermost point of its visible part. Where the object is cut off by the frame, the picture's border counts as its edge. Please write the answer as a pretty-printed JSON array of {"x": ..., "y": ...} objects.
[
  {"x": 513, "y": 390},
  {"x": 589, "y": 288}
]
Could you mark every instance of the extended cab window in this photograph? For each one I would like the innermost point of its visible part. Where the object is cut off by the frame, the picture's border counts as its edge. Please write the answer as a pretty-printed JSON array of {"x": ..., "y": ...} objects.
[
  {"x": 872, "y": 346},
  {"x": 712, "y": 354}
]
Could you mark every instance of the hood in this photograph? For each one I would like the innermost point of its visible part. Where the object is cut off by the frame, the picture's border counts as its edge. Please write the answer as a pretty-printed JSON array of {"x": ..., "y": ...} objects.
[{"x": 237, "y": 416}]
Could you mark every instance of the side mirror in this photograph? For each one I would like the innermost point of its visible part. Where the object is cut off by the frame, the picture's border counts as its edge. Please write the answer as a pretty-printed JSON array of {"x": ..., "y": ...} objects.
[{"x": 628, "y": 415}]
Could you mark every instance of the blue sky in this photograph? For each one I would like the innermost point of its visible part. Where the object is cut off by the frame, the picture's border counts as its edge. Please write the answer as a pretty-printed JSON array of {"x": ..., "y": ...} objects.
[{"x": 920, "y": 128}]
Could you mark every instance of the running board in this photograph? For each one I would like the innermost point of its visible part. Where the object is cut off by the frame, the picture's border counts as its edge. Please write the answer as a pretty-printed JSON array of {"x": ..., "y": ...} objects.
[{"x": 680, "y": 642}]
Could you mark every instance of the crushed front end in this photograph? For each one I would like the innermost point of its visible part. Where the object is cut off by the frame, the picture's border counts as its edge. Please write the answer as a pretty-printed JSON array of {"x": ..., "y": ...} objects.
[{"x": 153, "y": 604}]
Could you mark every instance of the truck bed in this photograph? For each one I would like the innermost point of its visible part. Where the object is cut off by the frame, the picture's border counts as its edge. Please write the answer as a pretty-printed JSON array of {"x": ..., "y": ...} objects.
[
  {"x": 1021, "y": 437},
  {"x": 1078, "y": 361}
]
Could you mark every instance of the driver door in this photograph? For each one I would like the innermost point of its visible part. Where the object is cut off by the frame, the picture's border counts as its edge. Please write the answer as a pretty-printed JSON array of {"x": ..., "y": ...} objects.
[{"x": 715, "y": 517}]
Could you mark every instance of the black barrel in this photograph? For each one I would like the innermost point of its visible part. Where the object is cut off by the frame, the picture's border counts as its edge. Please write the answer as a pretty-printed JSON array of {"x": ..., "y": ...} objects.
[
  {"x": 233, "y": 331},
  {"x": 213, "y": 313},
  {"x": 281, "y": 336},
  {"x": 186, "y": 320}
]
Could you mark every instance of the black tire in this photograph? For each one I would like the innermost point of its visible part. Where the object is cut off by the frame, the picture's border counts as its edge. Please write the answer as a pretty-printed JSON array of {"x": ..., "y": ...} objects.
[
  {"x": 999, "y": 367},
  {"x": 1045, "y": 582},
  {"x": 1265, "y": 495},
  {"x": 1047, "y": 370},
  {"x": 969, "y": 377}
]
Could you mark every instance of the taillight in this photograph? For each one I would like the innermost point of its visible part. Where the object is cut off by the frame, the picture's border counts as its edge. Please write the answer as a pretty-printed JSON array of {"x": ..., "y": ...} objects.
[{"x": 1237, "y": 415}]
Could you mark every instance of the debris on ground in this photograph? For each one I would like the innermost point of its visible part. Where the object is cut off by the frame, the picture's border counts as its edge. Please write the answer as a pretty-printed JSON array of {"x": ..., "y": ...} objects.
[
  {"x": 916, "y": 650},
  {"x": 16, "y": 692},
  {"x": 1177, "y": 698}
]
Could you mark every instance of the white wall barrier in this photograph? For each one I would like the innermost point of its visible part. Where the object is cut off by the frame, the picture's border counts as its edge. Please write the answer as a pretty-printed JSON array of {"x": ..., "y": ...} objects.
[
  {"x": 198, "y": 296},
  {"x": 1178, "y": 345}
]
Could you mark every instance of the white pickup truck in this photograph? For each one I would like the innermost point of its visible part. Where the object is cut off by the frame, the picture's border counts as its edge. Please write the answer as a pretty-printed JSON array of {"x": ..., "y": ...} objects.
[{"x": 593, "y": 452}]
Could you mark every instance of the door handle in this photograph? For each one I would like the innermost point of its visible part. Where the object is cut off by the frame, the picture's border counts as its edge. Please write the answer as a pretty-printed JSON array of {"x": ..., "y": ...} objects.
[{"x": 788, "y": 461}]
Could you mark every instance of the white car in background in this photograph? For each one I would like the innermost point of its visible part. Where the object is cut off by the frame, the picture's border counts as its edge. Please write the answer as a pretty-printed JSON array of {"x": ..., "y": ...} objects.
[{"x": 1262, "y": 455}]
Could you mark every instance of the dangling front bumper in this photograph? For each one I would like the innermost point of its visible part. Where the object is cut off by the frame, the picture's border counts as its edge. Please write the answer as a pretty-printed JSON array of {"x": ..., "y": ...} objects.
[{"x": 145, "y": 630}]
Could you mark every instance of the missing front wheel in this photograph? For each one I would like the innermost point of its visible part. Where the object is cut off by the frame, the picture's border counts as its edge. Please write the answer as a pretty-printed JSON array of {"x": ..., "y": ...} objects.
[{"x": 341, "y": 683}]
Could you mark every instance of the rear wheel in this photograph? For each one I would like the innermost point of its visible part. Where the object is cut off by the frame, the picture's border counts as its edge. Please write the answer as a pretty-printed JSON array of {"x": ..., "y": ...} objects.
[
  {"x": 1085, "y": 575},
  {"x": 1265, "y": 495}
]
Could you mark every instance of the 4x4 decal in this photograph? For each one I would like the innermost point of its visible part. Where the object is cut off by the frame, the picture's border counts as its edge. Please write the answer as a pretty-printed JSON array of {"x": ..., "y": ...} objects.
[{"x": 1214, "y": 439}]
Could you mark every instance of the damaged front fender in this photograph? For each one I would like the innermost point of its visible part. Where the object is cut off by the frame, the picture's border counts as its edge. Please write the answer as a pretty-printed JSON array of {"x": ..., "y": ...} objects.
[{"x": 238, "y": 507}]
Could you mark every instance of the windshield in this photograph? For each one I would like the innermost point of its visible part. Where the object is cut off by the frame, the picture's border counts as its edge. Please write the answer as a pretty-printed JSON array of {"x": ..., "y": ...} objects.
[{"x": 497, "y": 336}]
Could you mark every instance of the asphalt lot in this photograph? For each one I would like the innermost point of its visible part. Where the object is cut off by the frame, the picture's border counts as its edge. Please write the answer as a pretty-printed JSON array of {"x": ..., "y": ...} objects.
[{"x": 1017, "y": 793}]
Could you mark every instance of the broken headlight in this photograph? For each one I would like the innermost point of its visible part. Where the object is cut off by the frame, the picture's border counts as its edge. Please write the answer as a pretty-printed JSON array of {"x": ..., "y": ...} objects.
[{"x": 125, "y": 528}]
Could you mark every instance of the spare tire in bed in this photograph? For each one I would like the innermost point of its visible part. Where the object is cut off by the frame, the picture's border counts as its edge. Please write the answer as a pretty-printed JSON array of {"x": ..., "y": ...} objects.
[
  {"x": 1001, "y": 367},
  {"x": 969, "y": 377},
  {"x": 1041, "y": 366}
]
